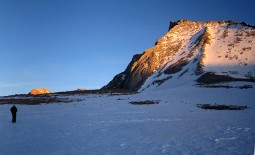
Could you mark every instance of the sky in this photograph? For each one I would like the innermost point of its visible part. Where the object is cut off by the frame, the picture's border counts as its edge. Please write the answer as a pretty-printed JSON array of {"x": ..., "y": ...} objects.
[{"x": 64, "y": 45}]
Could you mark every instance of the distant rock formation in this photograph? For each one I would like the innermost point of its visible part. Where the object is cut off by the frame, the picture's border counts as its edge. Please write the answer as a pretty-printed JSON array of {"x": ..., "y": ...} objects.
[
  {"x": 189, "y": 50},
  {"x": 39, "y": 91},
  {"x": 81, "y": 89}
]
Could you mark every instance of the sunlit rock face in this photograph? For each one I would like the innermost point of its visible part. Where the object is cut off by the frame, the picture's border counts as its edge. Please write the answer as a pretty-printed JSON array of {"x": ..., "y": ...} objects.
[
  {"x": 188, "y": 51},
  {"x": 39, "y": 91}
]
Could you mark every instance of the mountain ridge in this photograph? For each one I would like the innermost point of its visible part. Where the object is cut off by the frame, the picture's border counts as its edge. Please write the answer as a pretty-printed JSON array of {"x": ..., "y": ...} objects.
[{"x": 225, "y": 48}]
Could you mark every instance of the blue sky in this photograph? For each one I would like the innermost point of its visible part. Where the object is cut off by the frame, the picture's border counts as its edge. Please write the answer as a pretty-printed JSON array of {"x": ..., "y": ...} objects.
[{"x": 68, "y": 44}]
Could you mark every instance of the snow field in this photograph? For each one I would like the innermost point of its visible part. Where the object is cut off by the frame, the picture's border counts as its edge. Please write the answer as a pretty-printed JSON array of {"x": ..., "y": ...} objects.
[{"x": 103, "y": 124}]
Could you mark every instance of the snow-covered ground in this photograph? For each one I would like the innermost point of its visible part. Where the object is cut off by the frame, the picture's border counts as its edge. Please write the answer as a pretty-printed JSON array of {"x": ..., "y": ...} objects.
[{"x": 105, "y": 124}]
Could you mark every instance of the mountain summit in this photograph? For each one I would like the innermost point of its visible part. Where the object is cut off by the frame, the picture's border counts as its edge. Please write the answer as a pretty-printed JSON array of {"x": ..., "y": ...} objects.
[
  {"x": 39, "y": 91},
  {"x": 202, "y": 53}
]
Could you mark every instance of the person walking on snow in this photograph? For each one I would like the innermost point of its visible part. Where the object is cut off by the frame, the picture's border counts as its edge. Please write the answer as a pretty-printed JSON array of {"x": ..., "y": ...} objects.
[{"x": 14, "y": 111}]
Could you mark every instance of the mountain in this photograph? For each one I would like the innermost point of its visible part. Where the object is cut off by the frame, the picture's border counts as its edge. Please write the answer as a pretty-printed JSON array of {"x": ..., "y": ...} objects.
[
  {"x": 197, "y": 53},
  {"x": 39, "y": 91}
]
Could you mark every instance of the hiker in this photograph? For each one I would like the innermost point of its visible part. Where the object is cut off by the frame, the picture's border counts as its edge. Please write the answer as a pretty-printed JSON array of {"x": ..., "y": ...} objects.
[{"x": 13, "y": 110}]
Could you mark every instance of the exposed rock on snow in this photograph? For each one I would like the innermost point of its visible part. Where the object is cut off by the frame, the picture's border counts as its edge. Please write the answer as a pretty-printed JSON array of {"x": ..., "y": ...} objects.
[
  {"x": 145, "y": 102},
  {"x": 221, "y": 107}
]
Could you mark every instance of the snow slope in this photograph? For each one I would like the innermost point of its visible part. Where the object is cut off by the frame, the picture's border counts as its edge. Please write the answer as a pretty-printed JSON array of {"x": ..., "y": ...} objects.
[
  {"x": 223, "y": 48},
  {"x": 106, "y": 124},
  {"x": 232, "y": 50}
]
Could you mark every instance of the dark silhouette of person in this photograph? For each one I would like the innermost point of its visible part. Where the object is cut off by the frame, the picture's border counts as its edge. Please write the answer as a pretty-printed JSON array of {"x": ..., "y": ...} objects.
[{"x": 14, "y": 111}]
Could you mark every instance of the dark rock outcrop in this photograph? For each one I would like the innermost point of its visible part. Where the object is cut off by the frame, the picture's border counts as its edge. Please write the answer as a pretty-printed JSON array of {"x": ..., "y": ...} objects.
[{"x": 172, "y": 24}]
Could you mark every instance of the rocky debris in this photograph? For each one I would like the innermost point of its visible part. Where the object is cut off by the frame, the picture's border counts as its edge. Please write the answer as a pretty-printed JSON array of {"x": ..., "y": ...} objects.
[
  {"x": 211, "y": 78},
  {"x": 221, "y": 107},
  {"x": 145, "y": 102}
]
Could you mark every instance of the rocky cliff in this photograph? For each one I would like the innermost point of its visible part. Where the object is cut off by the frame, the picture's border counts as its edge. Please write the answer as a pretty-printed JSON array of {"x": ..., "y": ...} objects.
[
  {"x": 193, "y": 51},
  {"x": 39, "y": 91}
]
